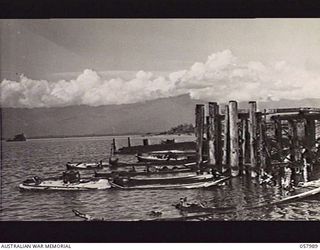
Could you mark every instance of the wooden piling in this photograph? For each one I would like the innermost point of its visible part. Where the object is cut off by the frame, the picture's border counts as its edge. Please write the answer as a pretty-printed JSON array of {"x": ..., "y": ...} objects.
[
  {"x": 317, "y": 127},
  {"x": 219, "y": 142},
  {"x": 212, "y": 137},
  {"x": 129, "y": 142},
  {"x": 294, "y": 144},
  {"x": 210, "y": 140},
  {"x": 114, "y": 145},
  {"x": 278, "y": 136},
  {"x": 199, "y": 132},
  {"x": 207, "y": 126},
  {"x": 244, "y": 144},
  {"x": 297, "y": 151},
  {"x": 145, "y": 142},
  {"x": 262, "y": 145},
  {"x": 234, "y": 138},
  {"x": 310, "y": 127},
  {"x": 253, "y": 137},
  {"x": 301, "y": 131},
  {"x": 226, "y": 141}
]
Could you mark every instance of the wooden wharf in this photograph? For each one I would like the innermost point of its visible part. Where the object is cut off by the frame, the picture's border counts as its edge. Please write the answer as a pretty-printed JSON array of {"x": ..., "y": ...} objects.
[
  {"x": 253, "y": 142},
  {"x": 243, "y": 141}
]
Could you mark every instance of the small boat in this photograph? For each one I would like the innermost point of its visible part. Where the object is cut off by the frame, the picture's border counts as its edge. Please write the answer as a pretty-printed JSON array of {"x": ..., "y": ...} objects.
[
  {"x": 184, "y": 181},
  {"x": 70, "y": 181},
  {"x": 305, "y": 190},
  {"x": 166, "y": 156},
  {"x": 87, "y": 166},
  {"x": 19, "y": 137},
  {"x": 113, "y": 162},
  {"x": 59, "y": 185},
  {"x": 149, "y": 171}
]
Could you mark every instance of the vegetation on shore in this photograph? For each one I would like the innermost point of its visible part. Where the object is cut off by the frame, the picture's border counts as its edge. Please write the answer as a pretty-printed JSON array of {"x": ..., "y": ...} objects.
[{"x": 186, "y": 128}]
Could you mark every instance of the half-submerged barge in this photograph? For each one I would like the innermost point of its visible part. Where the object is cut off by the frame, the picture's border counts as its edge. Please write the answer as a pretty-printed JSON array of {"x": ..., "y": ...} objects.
[
  {"x": 188, "y": 181},
  {"x": 70, "y": 181}
]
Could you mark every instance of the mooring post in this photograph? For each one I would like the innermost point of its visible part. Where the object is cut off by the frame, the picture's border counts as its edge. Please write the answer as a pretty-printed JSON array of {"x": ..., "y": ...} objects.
[
  {"x": 114, "y": 145},
  {"x": 129, "y": 142},
  {"x": 234, "y": 138},
  {"x": 213, "y": 133},
  {"x": 145, "y": 142},
  {"x": 199, "y": 132},
  {"x": 253, "y": 137},
  {"x": 226, "y": 141}
]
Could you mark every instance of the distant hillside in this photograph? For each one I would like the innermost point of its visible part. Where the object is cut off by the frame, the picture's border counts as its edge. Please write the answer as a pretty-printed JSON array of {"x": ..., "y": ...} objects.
[
  {"x": 151, "y": 116},
  {"x": 186, "y": 128}
]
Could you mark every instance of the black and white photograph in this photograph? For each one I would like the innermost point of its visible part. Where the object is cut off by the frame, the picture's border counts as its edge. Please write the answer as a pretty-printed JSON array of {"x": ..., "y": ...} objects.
[{"x": 160, "y": 119}]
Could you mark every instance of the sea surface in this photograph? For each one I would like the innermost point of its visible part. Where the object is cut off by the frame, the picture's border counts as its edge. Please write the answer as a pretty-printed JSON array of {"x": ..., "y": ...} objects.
[{"x": 47, "y": 157}]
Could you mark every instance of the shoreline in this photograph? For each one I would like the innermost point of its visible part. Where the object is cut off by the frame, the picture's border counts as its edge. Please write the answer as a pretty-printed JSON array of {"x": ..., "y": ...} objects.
[{"x": 104, "y": 135}]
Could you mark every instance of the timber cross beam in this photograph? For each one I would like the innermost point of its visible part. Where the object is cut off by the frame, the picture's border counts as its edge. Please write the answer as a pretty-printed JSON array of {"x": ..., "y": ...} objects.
[{"x": 311, "y": 116}]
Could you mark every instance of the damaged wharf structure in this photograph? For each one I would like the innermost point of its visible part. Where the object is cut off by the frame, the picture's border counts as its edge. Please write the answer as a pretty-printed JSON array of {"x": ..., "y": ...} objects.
[{"x": 251, "y": 142}]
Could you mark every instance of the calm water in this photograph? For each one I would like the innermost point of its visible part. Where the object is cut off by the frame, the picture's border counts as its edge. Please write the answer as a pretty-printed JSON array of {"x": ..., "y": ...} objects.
[{"x": 47, "y": 157}]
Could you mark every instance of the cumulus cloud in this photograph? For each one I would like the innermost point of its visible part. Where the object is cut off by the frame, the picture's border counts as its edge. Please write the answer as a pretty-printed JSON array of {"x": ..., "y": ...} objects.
[{"x": 220, "y": 78}]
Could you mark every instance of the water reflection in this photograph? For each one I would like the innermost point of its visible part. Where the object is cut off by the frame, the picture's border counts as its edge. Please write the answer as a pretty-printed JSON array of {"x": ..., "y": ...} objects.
[{"x": 47, "y": 157}]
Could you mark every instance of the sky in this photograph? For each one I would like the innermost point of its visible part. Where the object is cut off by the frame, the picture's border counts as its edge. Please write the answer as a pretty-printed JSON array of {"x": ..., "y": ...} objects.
[{"x": 62, "y": 62}]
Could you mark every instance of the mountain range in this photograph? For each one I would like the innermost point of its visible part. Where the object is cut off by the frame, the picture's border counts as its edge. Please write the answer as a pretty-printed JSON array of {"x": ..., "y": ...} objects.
[{"x": 138, "y": 118}]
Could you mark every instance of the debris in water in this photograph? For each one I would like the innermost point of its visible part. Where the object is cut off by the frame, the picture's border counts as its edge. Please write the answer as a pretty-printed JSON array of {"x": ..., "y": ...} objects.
[{"x": 155, "y": 213}]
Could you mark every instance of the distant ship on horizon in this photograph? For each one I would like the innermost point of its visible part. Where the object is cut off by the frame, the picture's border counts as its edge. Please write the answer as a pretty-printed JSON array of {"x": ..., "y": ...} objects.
[{"x": 18, "y": 137}]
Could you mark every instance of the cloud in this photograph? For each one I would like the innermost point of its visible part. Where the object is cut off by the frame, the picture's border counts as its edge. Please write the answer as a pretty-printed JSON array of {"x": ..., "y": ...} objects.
[{"x": 220, "y": 78}]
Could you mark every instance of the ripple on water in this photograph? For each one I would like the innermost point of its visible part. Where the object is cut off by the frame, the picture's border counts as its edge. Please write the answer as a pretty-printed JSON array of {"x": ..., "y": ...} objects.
[{"x": 47, "y": 157}]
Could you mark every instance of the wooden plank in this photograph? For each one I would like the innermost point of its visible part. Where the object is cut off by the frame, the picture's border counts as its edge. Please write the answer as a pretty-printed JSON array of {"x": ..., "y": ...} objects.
[
  {"x": 253, "y": 137},
  {"x": 292, "y": 110},
  {"x": 184, "y": 146},
  {"x": 234, "y": 138},
  {"x": 240, "y": 111},
  {"x": 226, "y": 141},
  {"x": 241, "y": 115},
  {"x": 199, "y": 133},
  {"x": 314, "y": 116}
]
